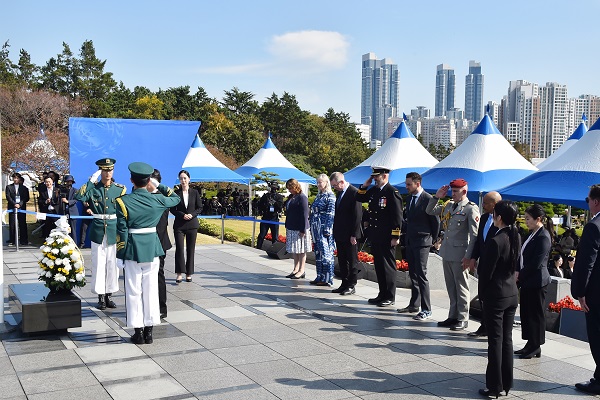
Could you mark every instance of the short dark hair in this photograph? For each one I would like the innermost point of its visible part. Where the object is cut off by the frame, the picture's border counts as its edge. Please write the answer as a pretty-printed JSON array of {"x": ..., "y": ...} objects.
[
  {"x": 595, "y": 192},
  {"x": 156, "y": 175},
  {"x": 415, "y": 176},
  {"x": 140, "y": 182},
  {"x": 18, "y": 175},
  {"x": 556, "y": 257},
  {"x": 183, "y": 171}
]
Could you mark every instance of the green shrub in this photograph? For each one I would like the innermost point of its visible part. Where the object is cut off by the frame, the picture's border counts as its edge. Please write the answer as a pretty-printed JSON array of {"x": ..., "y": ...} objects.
[
  {"x": 247, "y": 242},
  {"x": 208, "y": 229},
  {"x": 230, "y": 237}
]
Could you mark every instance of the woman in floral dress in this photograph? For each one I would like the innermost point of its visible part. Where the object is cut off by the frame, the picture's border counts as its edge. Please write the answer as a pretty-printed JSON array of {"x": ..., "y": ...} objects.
[{"x": 321, "y": 228}]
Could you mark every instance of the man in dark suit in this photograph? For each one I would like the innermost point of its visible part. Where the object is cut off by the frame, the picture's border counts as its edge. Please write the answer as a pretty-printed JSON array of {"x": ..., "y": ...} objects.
[
  {"x": 385, "y": 222},
  {"x": 161, "y": 231},
  {"x": 421, "y": 230},
  {"x": 486, "y": 230},
  {"x": 585, "y": 284},
  {"x": 346, "y": 231},
  {"x": 17, "y": 196}
]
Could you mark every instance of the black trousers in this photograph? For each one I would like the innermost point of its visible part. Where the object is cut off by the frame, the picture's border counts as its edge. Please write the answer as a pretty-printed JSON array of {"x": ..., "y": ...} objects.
[
  {"x": 533, "y": 320},
  {"x": 162, "y": 286},
  {"x": 499, "y": 315},
  {"x": 49, "y": 224},
  {"x": 184, "y": 260},
  {"x": 347, "y": 254},
  {"x": 83, "y": 228},
  {"x": 417, "y": 258},
  {"x": 592, "y": 322},
  {"x": 22, "y": 221},
  {"x": 384, "y": 257},
  {"x": 264, "y": 229}
]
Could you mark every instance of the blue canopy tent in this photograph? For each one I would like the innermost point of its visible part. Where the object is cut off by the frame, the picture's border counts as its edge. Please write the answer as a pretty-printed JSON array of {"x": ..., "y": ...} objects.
[
  {"x": 566, "y": 180},
  {"x": 401, "y": 153},
  {"x": 486, "y": 160},
  {"x": 204, "y": 167},
  {"x": 269, "y": 159}
]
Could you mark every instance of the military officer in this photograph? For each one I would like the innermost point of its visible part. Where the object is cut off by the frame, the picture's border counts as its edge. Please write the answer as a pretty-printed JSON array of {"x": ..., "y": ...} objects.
[
  {"x": 139, "y": 248},
  {"x": 385, "y": 222},
  {"x": 103, "y": 233},
  {"x": 462, "y": 220}
]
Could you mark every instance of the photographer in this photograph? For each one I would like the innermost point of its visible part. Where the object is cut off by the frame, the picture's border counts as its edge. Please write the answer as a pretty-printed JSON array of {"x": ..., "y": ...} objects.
[
  {"x": 270, "y": 206},
  {"x": 69, "y": 203}
]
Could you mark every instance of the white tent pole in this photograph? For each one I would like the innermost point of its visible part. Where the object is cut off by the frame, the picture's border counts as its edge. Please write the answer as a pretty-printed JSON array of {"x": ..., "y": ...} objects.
[{"x": 2, "y": 255}]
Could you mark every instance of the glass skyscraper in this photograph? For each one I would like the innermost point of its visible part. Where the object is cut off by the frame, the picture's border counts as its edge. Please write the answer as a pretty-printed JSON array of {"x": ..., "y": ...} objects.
[
  {"x": 379, "y": 95},
  {"x": 474, "y": 92},
  {"x": 445, "y": 89}
]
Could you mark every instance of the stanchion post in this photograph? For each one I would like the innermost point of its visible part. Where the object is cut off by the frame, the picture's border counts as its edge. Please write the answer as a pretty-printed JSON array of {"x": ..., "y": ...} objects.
[
  {"x": 16, "y": 221},
  {"x": 222, "y": 228},
  {"x": 253, "y": 231}
]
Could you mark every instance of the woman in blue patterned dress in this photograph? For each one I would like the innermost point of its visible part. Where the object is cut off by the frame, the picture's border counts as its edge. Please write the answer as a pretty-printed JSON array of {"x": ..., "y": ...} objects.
[{"x": 321, "y": 229}]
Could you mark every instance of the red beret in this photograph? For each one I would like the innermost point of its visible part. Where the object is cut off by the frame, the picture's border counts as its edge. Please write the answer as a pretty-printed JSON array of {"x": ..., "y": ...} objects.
[{"x": 458, "y": 183}]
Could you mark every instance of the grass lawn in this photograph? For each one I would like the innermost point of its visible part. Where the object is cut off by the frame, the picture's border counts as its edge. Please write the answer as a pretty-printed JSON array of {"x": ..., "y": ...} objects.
[{"x": 242, "y": 229}]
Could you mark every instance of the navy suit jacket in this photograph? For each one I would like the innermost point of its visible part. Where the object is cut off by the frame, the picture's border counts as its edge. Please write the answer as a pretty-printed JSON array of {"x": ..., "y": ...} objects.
[
  {"x": 496, "y": 274},
  {"x": 534, "y": 273},
  {"x": 421, "y": 228},
  {"x": 586, "y": 272},
  {"x": 348, "y": 216},
  {"x": 480, "y": 244}
]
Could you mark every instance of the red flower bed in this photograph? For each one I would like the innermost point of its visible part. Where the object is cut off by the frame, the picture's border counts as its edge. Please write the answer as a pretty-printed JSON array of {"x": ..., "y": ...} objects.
[
  {"x": 401, "y": 265},
  {"x": 280, "y": 238},
  {"x": 365, "y": 257},
  {"x": 566, "y": 302}
]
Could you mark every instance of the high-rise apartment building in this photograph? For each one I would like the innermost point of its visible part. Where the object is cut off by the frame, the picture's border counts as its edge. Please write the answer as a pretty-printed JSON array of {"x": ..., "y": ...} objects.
[
  {"x": 380, "y": 94},
  {"x": 420, "y": 112},
  {"x": 554, "y": 117},
  {"x": 474, "y": 92},
  {"x": 445, "y": 89}
]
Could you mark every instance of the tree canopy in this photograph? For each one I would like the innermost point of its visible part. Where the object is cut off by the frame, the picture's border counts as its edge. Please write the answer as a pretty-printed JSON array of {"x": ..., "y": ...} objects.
[{"x": 234, "y": 127}]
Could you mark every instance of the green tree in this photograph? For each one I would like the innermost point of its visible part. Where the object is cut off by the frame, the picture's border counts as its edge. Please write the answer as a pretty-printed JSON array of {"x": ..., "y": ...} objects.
[
  {"x": 236, "y": 102},
  {"x": 149, "y": 107},
  {"x": 121, "y": 102},
  {"x": 287, "y": 122},
  {"x": 8, "y": 75},
  {"x": 27, "y": 71},
  {"x": 60, "y": 73},
  {"x": 523, "y": 149},
  {"x": 93, "y": 84}
]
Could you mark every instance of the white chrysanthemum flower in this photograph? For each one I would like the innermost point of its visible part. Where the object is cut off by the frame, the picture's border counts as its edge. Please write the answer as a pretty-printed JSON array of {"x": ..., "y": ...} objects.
[
  {"x": 71, "y": 280},
  {"x": 66, "y": 262},
  {"x": 67, "y": 269},
  {"x": 54, "y": 251},
  {"x": 49, "y": 262},
  {"x": 74, "y": 257},
  {"x": 50, "y": 240},
  {"x": 60, "y": 240},
  {"x": 58, "y": 261},
  {"x": 48, "y": 274},
  {"x": 77, "y": 265},
  {"x": 65, "y": 250},
  {"x": 79, "y": 277},
  {"x": 60, "y": 278},
  {"x": 46, "y": 249}
]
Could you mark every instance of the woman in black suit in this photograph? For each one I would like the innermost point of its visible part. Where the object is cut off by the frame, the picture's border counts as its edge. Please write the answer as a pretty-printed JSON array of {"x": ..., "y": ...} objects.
[
  {"x": 49, "y": 203},
  {"x": 533, "y": 279},
  {"x": 498, "y": 289},
  {"x": 186, "y": 226}
]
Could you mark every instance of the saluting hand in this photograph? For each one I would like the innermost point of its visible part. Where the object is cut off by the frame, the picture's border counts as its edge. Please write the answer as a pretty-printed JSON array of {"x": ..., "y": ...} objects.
[{"x": 442, "y": 192}]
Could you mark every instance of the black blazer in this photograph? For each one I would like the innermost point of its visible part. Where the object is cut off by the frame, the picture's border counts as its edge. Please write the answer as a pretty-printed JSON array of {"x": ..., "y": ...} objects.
[
  {"x": 348, "y": 216},
  {"x": 385, "y": 212},
  {"x": 11, "y": 196},
  {"x": 534, "y": 273},
  {"x": 54, "y": 201},
  {"x": 496, "y": 275},
  {"x": 421, "y": 228},
  {"x": 161, "y": 229},
  {"x": 194, "y": 207},
  {"x": 296, "y": 213},
  {"x": 586, "y": 273},
  {"x": 480, "y": 244}
]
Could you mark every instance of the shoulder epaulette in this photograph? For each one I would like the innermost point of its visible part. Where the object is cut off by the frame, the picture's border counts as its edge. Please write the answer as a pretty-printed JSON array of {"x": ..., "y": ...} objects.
[
  {"x": 118, "y": 185},
  {"x": 471, "y": 203}
]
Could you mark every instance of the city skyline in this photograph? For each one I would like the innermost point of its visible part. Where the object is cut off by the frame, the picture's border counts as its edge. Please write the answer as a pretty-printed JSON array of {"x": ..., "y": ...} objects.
[{"x": 312, "y": 49}]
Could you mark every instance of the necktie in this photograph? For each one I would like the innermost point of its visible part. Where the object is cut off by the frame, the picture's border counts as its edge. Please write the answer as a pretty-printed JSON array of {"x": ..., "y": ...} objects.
[
  {"x": 454, "y": 206},
  {"x": 412, "y": 203},
  {"x": 487, "y": 226}
]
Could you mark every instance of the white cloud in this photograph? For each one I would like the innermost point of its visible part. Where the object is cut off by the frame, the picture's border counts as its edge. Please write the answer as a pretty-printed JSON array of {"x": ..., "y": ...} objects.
[{"x": 317, "y": 48}]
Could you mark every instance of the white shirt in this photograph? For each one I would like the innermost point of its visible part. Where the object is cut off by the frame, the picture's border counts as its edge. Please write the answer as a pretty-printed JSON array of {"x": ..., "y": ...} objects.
[
  {"x": 186, "y": 196},
  {"x": 527, "y": 241}
]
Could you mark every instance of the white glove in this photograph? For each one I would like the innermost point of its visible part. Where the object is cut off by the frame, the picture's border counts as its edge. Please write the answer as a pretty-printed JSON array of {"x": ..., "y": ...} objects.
[
  {"x": 95, "y": 176},
  {"x": 154, "y": 182},
  {"x": 120, "y": 263}
]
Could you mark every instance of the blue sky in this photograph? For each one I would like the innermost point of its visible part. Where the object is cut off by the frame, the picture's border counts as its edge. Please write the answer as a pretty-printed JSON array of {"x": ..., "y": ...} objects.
[{"x": 313, "y": 49}]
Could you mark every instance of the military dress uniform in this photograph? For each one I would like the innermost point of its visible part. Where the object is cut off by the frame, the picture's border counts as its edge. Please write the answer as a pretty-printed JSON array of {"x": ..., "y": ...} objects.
[
  {"x": 139, "y": 248},
  {"x": 385, "y": 222},
  {"x": 462, "y": 221},
  {"x": 103, "y": 231}
]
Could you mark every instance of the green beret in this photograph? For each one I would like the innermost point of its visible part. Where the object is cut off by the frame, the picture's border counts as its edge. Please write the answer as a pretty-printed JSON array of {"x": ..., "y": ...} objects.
[
  {"x": 140, "y": 170},
  {"x": 106, "y": 163}
]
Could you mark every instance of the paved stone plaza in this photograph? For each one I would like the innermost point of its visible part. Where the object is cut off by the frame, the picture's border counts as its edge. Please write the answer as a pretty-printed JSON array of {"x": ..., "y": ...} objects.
[{"x": 241, "y": 330}]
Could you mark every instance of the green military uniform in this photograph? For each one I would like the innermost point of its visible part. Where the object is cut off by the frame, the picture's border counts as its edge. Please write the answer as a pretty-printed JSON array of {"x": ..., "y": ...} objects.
[{"x": 138, "y": 248}]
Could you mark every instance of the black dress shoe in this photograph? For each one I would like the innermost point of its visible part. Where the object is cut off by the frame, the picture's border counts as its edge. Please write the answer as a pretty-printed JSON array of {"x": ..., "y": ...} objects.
[
  {"x": 385, "y": 303},
  {"x": 374, "y": 300},
  {"x": 478, "y": 333},
  {"x": 460, "y": 326},
  {"x": 290, "y": 275},
  {"x": 101, "y": 302},
  {"x": 299, "y": 277},
  {"x": 524, "y": 350},
  {"x": 340, "y": 290},
  {"x": 447, "y": 323},
  {"x": 148, "y": 335},
  {"x": 109, "y": 302},
  {"x": 321, "y": 283},
  {"x": 163, "y": 315},
  {"x": 592, "y": 387},
  {"x": 138, "y": 336},
  {"x": 348, "y": 291},
  {"x": 537, "y": 353},
  {"x": 488, "y": 393},
  {"x": 408, "y": 310}
]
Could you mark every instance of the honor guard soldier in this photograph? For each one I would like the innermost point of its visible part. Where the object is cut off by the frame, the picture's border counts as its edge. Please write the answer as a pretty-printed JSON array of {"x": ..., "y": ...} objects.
[
  {"x": 460, "y": 237},
  {"x": 385, "y": 222},
  {"x": 100, "y": 196},
  {"x": 139, "y": 248}
]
